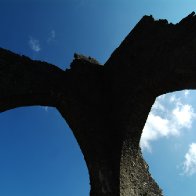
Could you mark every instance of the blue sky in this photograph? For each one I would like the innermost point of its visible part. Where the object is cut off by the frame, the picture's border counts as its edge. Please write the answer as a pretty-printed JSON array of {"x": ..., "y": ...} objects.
[{"x": 38, "y": 153}]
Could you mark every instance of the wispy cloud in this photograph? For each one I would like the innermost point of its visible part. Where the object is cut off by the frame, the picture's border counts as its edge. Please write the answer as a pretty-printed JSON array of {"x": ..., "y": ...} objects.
[
  {"x": 186, "y": 93},
  {"x": 166, "y": 121},
  {"x": 46, "y": 108},
  {"x": 189, "y": 164},
  {"x": 34, "y": 44},
  {"x": 52, "y": 36},
  {"x": 183, "y": 115}
]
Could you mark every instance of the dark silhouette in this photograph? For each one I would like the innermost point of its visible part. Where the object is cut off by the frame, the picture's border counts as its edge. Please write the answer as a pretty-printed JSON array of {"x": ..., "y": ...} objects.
[{"x": 107, "y": 106}]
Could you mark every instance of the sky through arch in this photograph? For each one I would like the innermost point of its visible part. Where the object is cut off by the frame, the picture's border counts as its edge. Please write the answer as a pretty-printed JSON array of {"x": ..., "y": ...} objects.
[
  {"x": 39, "y": 154},
  {"x": 169, "y": 136}
]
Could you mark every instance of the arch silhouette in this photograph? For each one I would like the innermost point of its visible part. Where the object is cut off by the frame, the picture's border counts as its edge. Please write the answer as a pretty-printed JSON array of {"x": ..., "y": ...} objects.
[{"x": 107, "y": 106}]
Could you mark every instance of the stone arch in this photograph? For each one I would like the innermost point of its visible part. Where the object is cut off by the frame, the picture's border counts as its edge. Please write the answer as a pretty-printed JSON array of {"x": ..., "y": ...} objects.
[{"x": 107, "y": 106}]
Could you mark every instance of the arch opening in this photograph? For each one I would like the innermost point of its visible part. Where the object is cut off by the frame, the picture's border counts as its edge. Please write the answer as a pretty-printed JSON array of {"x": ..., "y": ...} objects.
[
  {"x": 39, "y": 154},
  {"x": 168, "y": 142}
]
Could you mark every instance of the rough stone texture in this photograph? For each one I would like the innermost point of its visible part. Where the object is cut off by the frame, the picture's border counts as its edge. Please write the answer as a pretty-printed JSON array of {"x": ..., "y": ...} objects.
[{"x": 107, "y": 106}]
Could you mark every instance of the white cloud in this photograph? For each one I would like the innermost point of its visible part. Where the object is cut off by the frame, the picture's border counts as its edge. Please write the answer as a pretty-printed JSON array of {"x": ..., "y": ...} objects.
[
  {"x": 189, "y": 164},
  {"x": 52, "y": 36},
  {"x": 186, "y": 93},
  {"x": 183, "y": 115},
  {"x": 155, "y": 128},
  {"x": 34, "y": 44},
  {"x": 173, "y": 99},
  {"x": 166, "y": 121},
  {"x": 158, "y": 106}
]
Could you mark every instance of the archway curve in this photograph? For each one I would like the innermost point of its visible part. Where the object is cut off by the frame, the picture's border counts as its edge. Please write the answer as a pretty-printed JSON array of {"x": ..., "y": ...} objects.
[{"x": 39, "y": 154}]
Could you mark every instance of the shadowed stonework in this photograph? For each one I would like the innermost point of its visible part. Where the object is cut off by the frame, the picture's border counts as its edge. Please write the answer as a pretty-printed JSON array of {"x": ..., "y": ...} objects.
[{"x": 106, "y": 106}]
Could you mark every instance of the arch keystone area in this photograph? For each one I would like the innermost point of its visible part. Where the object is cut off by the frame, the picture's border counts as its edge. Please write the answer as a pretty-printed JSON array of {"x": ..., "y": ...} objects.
[{"x": 107, "y": 106}]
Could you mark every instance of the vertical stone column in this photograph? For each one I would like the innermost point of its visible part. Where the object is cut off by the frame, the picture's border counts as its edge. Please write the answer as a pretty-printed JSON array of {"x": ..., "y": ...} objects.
[{"x": 135, "y": 179}]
